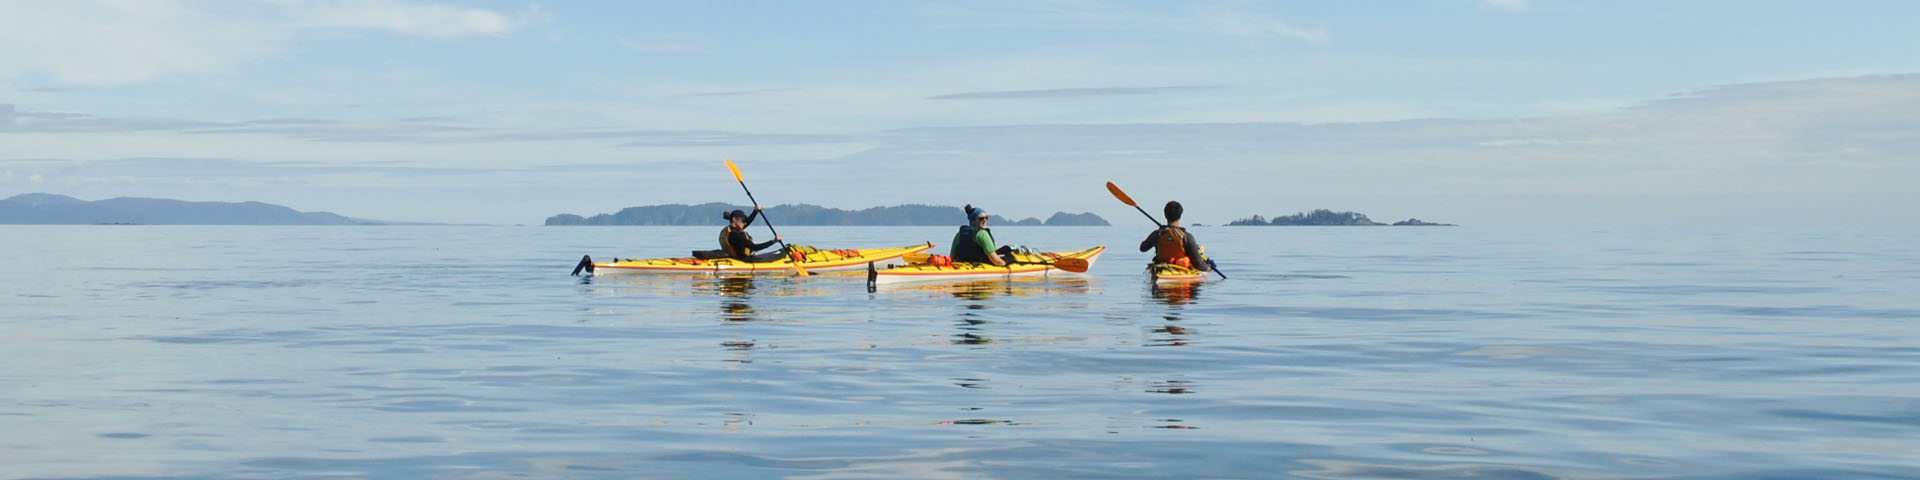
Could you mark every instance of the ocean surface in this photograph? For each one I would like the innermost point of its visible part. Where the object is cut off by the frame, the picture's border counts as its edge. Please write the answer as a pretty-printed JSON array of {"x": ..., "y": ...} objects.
[{"x": 456, "y": 352}]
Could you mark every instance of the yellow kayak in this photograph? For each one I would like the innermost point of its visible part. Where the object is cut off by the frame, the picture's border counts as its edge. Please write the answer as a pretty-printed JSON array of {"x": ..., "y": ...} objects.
[
  {"x": 814, "y": 260},
  {"x": 1170, "y": 273},
  {"x": 1026, "y": 264}
]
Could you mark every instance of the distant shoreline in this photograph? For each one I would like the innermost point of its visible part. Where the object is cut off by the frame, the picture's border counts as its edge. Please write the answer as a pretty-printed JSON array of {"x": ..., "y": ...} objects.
[{"x": 1329, "y": 218}]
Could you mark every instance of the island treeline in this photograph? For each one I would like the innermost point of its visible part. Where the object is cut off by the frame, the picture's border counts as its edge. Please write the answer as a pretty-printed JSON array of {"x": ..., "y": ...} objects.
[
  {"x": 1324, "y": 217},
  {"x": 805, "y": 214},
  {"x": 50, "y": 209}
]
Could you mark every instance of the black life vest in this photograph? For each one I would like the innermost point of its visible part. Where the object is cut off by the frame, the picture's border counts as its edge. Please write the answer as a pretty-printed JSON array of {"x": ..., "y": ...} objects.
[{"x": 964, "y": 249}]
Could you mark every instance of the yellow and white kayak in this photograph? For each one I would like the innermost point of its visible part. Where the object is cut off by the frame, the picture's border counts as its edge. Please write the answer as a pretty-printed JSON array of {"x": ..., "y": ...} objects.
[
  {"x": 1164, "y": 273},
  {"x": 813, "y": 260},
  {"x": 1026, "y": 264}
]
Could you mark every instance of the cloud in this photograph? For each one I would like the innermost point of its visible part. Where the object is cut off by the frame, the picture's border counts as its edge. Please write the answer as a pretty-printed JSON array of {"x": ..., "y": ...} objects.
[
  {"x": 1256, "y": 25},
  {"x": 412, "y": 130},
  {"x": 737, "y": 93},
  {"x": 100, "y": 42},
  {"x": 1206, "y": 21},
  {"x": 13, "y": 120},
  {"x": 1834, "y": 136},
  {"x": 1508, "y": 5},
  {"x": 423, "y": 20},
  {"x": 1067, "y": 92}
]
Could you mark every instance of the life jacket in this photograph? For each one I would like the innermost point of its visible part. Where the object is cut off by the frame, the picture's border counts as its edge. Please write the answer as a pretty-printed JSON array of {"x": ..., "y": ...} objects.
[
  {"x": 1172, "y": 246},
  {"x": 727, "y": 246},
  {"x": 964, "y": 249}
]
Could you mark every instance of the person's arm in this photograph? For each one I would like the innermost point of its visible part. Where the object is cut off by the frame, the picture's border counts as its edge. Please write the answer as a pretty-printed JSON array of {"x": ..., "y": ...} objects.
[
  {"x": 763, "y": 245},
  {"x": 1152, "y": 239},
  {"x": 984, "y": 241},
  {"x": 1193, "y": 253},
  {"x": 751, "y": 217}
]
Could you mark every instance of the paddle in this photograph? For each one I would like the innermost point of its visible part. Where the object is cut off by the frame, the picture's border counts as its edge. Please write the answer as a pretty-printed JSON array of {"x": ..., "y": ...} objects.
[
  {"x": 586, "y": 263},
  {"x": 802, "y": 271},
  {"x": 1075, "y": 265},
  {"x": 1156, "y": 221}
]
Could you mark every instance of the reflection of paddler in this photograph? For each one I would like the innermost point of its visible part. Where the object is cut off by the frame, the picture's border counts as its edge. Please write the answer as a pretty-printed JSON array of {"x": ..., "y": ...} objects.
[{"x": 1177, "y": 294}]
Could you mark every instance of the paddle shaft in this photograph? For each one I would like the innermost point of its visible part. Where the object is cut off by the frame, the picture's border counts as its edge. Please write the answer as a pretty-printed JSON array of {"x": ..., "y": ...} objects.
[
  {"x": 1150, "y": 217},
  {"x": 763, "y": 214}
]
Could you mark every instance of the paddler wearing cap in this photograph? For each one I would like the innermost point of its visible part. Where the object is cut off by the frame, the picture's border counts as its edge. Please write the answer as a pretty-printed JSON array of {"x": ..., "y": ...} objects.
[
  {"x": 974, "y": 242},
  {"x": 738, "y": 245}
]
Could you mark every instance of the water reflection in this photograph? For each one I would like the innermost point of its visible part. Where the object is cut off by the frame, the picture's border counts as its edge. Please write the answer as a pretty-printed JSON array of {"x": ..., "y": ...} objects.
[
  {"x": 736, "y": 291},
  {"x": 1176, "y": 294},
  {"x": 988, "y": 289},
  {"x": 1174, "y": 298}
]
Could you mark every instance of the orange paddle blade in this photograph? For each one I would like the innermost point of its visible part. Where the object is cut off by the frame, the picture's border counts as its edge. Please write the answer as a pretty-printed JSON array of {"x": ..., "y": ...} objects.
[
  {"x": 738, "y": 178},
  {"x": 1110, "y": 187}
]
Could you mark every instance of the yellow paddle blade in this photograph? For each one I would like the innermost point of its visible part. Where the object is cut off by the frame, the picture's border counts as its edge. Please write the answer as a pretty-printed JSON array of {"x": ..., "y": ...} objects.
[
  {"x": 1110, "y": 187},
  {"x": 738, "y": 178},
  {"x": 797, "y": 257}
]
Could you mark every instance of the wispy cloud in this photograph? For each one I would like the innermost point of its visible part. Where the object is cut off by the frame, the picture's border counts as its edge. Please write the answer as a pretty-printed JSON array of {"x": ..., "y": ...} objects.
[
  {"x": 1068, "y": 92},
  {"x": 1256, "y": 25},
  {"x": 738, "y": 93},
  {"x": 413, "y": 130},
  {"x": 1508, "y": 5},
  {"x": 424, "y": 20},
  {"x": 14, "y": 120},
  {"x": 1828, "y": 134},
  {"x": 1214, "y": 21},
  {"x": 100, "y": 42}
]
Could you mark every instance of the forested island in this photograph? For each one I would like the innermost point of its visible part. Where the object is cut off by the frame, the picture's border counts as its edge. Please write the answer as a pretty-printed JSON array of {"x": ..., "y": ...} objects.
[
  {"x": 51, "y": 209},
  {"x": 1324, "y": 217},
  {"x": 805, "y": 214}
]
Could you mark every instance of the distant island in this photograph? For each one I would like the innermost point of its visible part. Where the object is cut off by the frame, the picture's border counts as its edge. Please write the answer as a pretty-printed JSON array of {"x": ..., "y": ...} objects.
[
  {"x": 1324, "y": 217},
  {"x": 804, "y": 214},
  {"x": 50, "y": 209}
]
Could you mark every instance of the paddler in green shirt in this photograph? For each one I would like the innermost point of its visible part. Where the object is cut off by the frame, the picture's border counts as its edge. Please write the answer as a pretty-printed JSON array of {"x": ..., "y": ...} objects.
[{"x": 974, "y": 243}]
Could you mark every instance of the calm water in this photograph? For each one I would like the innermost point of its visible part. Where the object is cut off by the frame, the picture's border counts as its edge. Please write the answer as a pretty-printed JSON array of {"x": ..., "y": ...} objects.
[{"x": 467, "y": 352}]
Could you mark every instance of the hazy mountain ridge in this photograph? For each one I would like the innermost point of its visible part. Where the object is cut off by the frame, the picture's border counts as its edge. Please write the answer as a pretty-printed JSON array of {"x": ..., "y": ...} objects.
[
  {"x": 810, "y": 215},
  {"x": 1324, "y": 217},
  {"x": 51, "y": 209}
]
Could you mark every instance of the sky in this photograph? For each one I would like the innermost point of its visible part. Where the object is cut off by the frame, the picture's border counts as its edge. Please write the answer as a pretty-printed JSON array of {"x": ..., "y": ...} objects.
[{"x": 1477, "y": 112}]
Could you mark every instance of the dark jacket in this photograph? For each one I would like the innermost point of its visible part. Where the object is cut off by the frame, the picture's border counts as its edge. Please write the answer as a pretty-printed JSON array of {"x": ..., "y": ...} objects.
[{"x": 738, "y": 244}]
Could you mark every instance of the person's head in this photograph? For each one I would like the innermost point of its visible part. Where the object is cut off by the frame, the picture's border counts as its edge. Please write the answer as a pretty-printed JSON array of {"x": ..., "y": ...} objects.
[
  {"x": 976, "y": 216},
  {"x": 736, "y": 218},
  {"x": 1173, "y": 211}
]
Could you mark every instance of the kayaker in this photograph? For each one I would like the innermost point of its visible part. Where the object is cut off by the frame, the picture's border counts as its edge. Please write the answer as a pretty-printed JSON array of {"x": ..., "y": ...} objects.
[
  {"x": 739, "y": 245},
  {"x": 1172, "y": 244},
  {"x": 974, "y": 243}
]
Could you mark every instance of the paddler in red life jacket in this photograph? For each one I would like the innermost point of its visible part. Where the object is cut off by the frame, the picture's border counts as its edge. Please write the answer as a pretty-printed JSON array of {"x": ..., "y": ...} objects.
[
  {"x": 974, "y": 242},
  {"x": 738, "y": 245},
  {"x": 1172, "y": 244}
]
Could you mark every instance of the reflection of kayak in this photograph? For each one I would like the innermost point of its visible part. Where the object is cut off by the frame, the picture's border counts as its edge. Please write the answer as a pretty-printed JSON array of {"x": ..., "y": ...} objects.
[
  {"x": 816, "y": 260},
  {"x": 1170, "y": 273},
  {"x": 1026, "y": 264}
]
